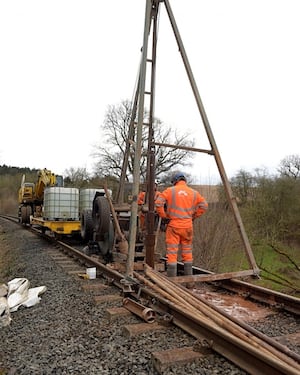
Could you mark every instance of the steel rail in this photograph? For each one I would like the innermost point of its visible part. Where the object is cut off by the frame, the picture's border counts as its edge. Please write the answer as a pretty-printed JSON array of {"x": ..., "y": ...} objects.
[
  {"x": 257, "y": 293},
  {"x": 221, "y": 317},
  {"x": 113, "y": 276},
  {"x": 247, "y": 327},
  {"x": 255, "y": 355},
  {"x": 271, "y": 297},
  {"x": 250, "y": 356}
]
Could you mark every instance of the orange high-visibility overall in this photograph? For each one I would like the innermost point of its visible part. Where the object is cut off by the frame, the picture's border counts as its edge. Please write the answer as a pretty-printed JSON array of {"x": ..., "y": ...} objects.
[
  {"x": 141, "y": 202},
  {"x": 183, "y": 205}
]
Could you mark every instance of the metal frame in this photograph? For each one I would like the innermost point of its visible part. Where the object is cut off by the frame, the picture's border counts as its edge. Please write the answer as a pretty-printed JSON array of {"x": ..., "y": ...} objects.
[{"x": 151, "y": 16}]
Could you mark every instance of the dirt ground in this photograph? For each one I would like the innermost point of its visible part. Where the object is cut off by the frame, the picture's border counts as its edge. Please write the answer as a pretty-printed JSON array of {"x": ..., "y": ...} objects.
[{"x": 8, "y": 257}]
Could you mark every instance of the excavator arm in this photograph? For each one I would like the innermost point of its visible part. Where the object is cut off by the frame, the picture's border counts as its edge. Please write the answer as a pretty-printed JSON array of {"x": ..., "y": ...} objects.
[{"x": 45, "y": 178}]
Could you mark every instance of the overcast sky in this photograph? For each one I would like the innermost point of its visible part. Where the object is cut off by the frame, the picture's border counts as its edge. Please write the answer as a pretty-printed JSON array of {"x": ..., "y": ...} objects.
[{"x": 64, "y": 62}]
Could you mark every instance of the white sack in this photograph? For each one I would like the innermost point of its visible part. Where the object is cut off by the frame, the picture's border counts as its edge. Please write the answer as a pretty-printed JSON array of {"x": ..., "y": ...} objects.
[
  {"x": 17, "y": 292},
  {"x": 33, "y": 296}
]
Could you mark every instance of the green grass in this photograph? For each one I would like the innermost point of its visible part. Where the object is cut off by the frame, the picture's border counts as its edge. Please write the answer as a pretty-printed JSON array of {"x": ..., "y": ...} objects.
[{"x": 279, "y": 267}]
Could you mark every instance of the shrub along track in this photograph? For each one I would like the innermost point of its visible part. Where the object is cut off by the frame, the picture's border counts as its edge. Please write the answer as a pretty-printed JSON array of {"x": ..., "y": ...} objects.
[{"x": 68, "y": 332}]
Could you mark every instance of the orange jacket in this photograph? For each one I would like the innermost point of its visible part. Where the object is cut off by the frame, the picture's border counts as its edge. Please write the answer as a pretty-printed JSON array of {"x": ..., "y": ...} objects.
[
  {"x": 183, "y": 205},
  {"x": 141, "y": 198}
]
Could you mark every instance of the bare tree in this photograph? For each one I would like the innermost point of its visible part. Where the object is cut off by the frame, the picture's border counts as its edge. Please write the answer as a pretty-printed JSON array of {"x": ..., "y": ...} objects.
[
  {"x": 290, "y": 167},
  {"x": 77, "y": 177},
  {"x": 242, "y": 184},
  {"x": 110, "y": 151}
]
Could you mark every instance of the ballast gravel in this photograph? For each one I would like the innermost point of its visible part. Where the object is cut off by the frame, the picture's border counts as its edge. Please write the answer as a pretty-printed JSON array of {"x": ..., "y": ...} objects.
[{"x": 68, "y": 333}]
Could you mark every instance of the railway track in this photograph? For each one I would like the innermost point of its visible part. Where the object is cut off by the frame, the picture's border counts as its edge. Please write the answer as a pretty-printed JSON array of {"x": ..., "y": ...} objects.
[{"x": 202, "y": 313}]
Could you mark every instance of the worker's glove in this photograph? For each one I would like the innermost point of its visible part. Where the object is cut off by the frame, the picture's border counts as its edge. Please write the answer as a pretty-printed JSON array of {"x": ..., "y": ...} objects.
[
  {"x": 145, "y": 209},
  {"x": 164, "y": 223}
]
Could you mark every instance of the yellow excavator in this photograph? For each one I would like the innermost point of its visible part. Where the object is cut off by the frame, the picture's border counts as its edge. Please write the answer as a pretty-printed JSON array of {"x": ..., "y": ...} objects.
[{"x": 31, "y": 195}]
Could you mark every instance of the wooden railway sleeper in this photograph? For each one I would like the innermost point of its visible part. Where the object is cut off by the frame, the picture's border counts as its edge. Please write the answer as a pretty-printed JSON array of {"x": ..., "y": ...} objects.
[{"x": 203, "y": 346}]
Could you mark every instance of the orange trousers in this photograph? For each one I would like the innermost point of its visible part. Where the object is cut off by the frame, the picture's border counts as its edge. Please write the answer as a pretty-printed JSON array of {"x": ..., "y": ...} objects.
[
  {"x": 142, "y": 221},
  {"x": 179, "y": 239}
]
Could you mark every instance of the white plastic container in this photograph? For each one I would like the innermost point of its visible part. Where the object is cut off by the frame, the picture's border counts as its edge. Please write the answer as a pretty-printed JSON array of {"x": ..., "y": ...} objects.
[
  {"x": 61, "y": 203},
  {"x": 91, "y": 272},
  {"x": 86, "y": 197}
]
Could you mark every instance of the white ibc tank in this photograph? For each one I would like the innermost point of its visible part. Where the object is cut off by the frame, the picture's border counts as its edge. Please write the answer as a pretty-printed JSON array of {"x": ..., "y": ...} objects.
[
  {"x": 86, "y": 197},
  {"x": 61, "y": 203}
]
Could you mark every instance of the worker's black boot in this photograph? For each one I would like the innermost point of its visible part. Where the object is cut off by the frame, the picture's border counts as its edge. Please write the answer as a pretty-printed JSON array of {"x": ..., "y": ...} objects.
[
  {"x": 188, "y": 270},
  {"x": 172, "y": 270}
]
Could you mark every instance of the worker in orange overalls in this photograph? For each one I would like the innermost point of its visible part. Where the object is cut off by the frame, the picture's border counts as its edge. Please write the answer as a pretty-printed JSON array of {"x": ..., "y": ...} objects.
[
  {"x": 141, "y": 201},
  {"x": 180, "y": 205}
]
